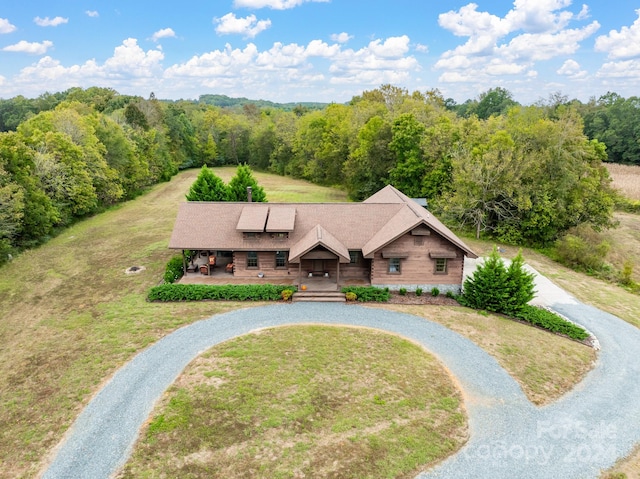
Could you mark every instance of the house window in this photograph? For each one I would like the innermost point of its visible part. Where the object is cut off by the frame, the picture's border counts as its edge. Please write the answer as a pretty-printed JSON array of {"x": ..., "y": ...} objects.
[
  {"x": 394, "y": 265},
  {"x": 441, "y": 266},
  {"x": 252, "y": 259},
  {"x": 280, "y": 236},
  {"x": 281, "y": 259},
  {"x": 250, "y": 235},
  {"x": 354, "y": 256}
]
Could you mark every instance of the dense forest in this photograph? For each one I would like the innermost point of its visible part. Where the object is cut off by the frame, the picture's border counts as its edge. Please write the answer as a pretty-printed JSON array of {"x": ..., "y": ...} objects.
[{"x": 520, "y": 174}]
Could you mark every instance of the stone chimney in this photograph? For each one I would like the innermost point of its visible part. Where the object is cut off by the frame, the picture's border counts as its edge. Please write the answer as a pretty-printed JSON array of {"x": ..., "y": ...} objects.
[{"x": 249, "y": 199}]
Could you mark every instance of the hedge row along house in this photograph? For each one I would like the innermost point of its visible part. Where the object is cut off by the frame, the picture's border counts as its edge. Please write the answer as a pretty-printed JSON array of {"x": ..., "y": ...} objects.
[{"x": 388, "y": 240}]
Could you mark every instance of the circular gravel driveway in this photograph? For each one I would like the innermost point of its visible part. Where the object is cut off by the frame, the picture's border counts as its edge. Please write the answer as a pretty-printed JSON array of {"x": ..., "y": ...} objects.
[{"x": 575, "y": 437}]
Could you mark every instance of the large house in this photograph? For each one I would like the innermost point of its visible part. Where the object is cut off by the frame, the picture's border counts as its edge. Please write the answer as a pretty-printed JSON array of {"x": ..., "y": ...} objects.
[{"x": 388, "y": 240}]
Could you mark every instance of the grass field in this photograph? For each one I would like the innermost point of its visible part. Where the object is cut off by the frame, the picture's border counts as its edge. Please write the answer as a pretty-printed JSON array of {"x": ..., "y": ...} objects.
[
  {"x": 340, "y": 402},
  {"x": 626, "y": 179},
  {"x": 71, "y": 316}
]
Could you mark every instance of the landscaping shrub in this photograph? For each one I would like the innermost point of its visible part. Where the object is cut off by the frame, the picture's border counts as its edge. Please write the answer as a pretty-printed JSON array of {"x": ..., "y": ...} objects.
[
  {"x": 368, "y": 293},
  {"x": 418, "y": 291},
  {"x": 174, "y": 270},
  {"x": 402, "y": 291},
  {"x": 286, "y": 294},
  {"x": 494, "y": 287},
  {"x": 551, "y": 322},
  {"x": 627, "y": 205},
  {"x": 228, "y": 292},
  {"x": 350, "y": 296},
  {"x": 582, "y": 248},
  {"x": 435, "y": 292}
]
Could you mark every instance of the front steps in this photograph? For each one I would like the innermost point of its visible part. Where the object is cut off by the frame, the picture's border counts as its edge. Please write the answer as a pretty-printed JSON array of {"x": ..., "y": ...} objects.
[{"x": 319, "y": 296}]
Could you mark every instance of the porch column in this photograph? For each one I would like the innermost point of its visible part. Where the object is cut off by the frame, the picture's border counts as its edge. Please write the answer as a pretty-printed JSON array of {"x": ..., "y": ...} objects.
[
  {"x": 338, "y": 274},
  {"x": 184, "y": 263},
  {"x": 300, "y": 273}
]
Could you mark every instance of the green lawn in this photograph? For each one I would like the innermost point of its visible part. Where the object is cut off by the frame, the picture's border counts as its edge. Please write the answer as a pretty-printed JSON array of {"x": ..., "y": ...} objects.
[
  {"x": 304, "y": 401},
  {"x": 71, "y": 316}
]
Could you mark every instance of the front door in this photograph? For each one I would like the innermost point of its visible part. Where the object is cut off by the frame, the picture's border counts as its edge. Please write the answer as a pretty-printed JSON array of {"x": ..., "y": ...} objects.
[{"x": 318, "y": 266}]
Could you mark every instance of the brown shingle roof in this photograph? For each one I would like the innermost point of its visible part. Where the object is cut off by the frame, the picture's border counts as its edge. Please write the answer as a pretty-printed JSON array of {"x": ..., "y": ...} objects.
[
  {"x": 318, "y": 236},
  {"x": 389, "y": 194},
  {"x": 367, "y": 226}
]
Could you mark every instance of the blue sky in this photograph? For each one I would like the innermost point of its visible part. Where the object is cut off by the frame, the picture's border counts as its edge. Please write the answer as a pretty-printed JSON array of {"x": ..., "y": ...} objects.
[{"x": 311, "y": 50}]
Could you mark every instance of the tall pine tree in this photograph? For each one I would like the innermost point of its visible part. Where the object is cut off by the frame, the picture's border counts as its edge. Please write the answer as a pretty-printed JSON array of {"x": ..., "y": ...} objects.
[
  {"x": 207, "y": 187},
  {"x": 238, "y": 186},
  {"x": 494, "y": 287}
]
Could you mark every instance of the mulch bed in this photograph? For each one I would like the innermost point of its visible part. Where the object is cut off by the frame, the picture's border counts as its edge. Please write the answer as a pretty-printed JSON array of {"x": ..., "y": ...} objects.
[{"x": 425, "y": 298}]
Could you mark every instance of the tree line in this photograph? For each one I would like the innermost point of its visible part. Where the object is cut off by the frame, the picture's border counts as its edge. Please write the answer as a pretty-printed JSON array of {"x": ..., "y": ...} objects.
[{"x": 522, "y": 174}]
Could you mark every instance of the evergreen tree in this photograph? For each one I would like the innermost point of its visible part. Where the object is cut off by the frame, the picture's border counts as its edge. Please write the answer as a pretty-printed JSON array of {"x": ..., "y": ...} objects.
[
  {"x": 520, "y": 286},
  {"x": 238, "y": 186},
  {"x": 487, "y": 288},
  {"x": 494, "y": 287},
  {"x": 207, "y": 187}
]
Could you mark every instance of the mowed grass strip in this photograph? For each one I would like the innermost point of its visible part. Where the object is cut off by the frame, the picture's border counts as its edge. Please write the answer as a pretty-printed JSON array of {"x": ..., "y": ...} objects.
[
  {"x": 545, "y": 365},
  {"x": 304, "y": 401}
]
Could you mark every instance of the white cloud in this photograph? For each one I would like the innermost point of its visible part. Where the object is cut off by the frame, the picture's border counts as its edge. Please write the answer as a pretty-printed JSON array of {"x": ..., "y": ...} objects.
[
  {"x": 6, "y": 26},
  {"x": 378, "y": 63},
  {"x": 290, "y": 67},
  {"x": 392, "y": 47},
  {"x": 130, "y": 69},
  {"x": 29, "y": 47},
  {"x": 584, "y": 13},
  {"x": 628, "y": 69},
  {"x": 530, "y": 32},
  {"x": 544, "y": 46},
  {"x": 539, "y": 16},
  {"x": 249, "y": 26},
  {"x": 318, "y": 48},
  {"x": 468, "y": 22},
  {"x": 273, "y": 4},
  {"x": 571, "y": 69},
  {"x": 341, "y": 37},
  {"x": 216, "y": 63},
  {"x": 422, "y": 48},
  {"x": 50, "y": 22},
  {"x": 92, "y": 13},
  {"x": 163, "y": 33},
  {"x": 622, "y": 44},
  {"x": 130, "y": 59}
]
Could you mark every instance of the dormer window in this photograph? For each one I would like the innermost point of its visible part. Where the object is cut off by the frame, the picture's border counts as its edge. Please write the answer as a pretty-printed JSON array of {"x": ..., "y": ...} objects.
[
  {"x": 250, "y": 235},
  {"x": 280, "y": 236}
]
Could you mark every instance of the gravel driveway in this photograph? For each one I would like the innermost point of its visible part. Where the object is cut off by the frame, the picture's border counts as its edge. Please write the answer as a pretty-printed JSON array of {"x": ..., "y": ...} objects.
[{"x": 576, "y": 437}]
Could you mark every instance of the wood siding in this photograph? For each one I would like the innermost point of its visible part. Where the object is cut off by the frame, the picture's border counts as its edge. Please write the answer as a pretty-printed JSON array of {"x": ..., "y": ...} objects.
[
  {"x": 266, "y": 265},
  {"x": 267, "y": 260},
  {"x": 417, "y": 267}
]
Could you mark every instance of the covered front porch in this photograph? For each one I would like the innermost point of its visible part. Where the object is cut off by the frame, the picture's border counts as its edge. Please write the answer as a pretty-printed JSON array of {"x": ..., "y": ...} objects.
[{"x": 317, "y": 270}]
